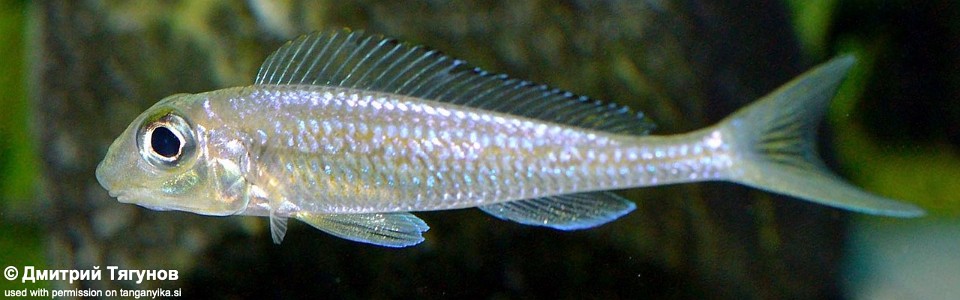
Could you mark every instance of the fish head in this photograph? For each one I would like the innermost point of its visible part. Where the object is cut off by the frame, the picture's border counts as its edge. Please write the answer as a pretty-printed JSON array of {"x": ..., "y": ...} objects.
[{"x": 161, "y": 162}]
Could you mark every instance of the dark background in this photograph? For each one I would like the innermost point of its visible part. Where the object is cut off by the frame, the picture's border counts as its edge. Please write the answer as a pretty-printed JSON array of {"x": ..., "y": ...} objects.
[{"x": 79, "y": 71}]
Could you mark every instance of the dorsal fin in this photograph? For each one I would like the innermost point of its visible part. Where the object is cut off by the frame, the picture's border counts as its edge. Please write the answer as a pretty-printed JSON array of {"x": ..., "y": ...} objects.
[{"x": 371, "y": 62}]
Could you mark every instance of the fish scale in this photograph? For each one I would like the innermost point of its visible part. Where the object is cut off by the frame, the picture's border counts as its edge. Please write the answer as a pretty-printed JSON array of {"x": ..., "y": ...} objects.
[
  {"x": 501, "y": 171},
  {"x": 493, "y": 149},
  {"x": 350, "y": 133}
]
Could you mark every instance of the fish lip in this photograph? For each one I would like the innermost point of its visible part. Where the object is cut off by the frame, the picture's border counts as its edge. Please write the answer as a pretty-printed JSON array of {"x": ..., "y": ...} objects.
[
  {"x": 115, "y": 194},
  {"x": 126, "y": 195},
  {"x": 136, "y": 195},
  {"x": 155, "y": 208}
]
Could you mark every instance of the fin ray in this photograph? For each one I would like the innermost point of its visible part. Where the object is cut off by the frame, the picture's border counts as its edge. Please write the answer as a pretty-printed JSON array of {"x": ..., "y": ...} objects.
[
  {"x": 564, "y": 212},
  {"x": 278, "y": 228},
  {"x": 384, "y": 229},
  {"x": 372, "y": 62},
  {"x": 779, "y": 150}
]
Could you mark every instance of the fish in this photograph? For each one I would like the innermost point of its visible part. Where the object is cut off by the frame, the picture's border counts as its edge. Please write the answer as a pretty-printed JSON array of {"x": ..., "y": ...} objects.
[{"x": 352, "y": 132}]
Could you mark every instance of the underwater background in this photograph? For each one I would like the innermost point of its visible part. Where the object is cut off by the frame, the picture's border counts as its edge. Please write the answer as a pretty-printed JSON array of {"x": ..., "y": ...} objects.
[{"x": 77, "y": 72}]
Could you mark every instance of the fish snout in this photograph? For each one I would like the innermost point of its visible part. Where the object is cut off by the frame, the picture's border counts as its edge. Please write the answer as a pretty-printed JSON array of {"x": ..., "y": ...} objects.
[{"x": 105, "y": 176}]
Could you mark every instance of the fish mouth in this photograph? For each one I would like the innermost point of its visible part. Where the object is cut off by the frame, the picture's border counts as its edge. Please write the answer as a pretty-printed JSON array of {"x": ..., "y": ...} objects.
[
  {"x": 148, "y": 198},
  {"x": 139, "y": 199},
  {"x": 123, "y": 196},
  {"x": 132, "y": 196},
  {"x": 116, "y": 194},
  {"x": 156, "y": 208}
]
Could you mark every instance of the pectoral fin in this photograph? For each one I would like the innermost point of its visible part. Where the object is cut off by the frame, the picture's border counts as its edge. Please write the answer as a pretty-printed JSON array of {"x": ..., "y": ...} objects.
[
  {"x": 278, "y": 227},
  {"x": 384, "y": 229},
  {"x": 564, "y": 212}
]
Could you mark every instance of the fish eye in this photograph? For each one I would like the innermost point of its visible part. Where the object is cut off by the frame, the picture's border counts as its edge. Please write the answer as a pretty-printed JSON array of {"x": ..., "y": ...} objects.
[{"x": 165, "y": 141}]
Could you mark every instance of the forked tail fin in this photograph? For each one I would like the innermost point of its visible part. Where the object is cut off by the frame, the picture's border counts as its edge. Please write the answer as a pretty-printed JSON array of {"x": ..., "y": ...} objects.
[{"x": 775, "y": 138}]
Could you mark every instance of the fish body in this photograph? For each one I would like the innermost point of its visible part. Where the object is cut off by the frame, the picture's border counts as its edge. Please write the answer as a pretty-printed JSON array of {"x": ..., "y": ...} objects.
[{"x": 351, "y": 132}]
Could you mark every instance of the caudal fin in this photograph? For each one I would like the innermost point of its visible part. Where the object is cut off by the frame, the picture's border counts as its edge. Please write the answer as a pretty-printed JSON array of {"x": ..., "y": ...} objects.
[{"x": 776, "y": 136}]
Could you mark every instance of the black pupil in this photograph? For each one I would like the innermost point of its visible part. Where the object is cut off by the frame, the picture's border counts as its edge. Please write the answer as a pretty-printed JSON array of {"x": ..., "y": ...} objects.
[{"x": 164, "y": 142}]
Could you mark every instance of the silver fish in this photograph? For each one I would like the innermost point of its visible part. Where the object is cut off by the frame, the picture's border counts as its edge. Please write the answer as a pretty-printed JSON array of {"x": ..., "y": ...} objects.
[{"x": 351, "y": 132}]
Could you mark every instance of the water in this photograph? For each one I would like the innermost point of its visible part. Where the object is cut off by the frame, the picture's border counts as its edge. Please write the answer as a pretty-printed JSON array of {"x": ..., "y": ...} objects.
[{"x": 684, "y": 66}]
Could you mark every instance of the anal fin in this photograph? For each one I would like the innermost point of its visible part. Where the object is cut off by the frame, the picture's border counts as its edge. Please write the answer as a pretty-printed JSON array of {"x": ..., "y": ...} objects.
[
  {"x": 564, "y": 212},
  {"x": 384, "y": 229}
]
